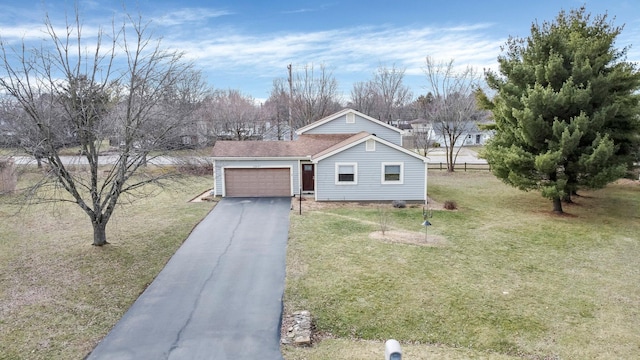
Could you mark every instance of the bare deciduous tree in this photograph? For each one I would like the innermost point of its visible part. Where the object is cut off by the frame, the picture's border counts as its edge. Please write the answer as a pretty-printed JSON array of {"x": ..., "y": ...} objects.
[
  {"x": 453, "y": 111},
  {"x": 363, "y": 97},
  {"x": 276, "y": 110},
  {"x": 236, "y": 115},
  {"x": 114, "y": 84},
  {"x": 392, "y": 94},
  {"x": 384, "y": 219},
  {"x": 385, "y": 97},
  {"x": 315, "y": 95}
]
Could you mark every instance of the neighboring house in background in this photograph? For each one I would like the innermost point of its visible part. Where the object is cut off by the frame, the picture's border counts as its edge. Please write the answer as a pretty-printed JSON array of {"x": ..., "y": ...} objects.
[
  {"x": 474, "y": 135},
  {"x": 347, "y": 156},
  {"x": 477, "y": 136}
]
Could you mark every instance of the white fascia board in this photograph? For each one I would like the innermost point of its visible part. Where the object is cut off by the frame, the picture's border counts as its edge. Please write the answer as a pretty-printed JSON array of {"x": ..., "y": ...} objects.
[
  {"x": 325, "y": 120},
  {"x": 232, "y": 158},
  {"x": 398, "y": 130},
  {"x": 380, "y": 140},
  {"x": 341, "y": 113}
]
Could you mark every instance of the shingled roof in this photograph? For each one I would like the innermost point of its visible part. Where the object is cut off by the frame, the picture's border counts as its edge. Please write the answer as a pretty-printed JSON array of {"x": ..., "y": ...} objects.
[{"x": 304, "y": 146}]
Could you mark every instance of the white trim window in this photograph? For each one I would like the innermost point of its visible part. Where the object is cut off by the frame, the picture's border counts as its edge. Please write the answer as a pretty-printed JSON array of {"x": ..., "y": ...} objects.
[
  {"x": 346, "y": 173},
  {"x": 370, "y": 145},
  {"x": 392, "y": 172}
]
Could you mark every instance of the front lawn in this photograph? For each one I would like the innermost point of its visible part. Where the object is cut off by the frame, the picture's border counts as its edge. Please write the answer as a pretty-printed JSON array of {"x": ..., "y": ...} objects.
[
  {"x": 59, "y": 295},
  {"x": 510, "y": 279}
]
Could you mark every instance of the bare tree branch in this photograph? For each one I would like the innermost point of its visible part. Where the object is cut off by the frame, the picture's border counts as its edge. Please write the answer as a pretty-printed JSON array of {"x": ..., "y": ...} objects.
[
  {"x": 315, "y": 95},
  {"x": 384, "y": 97},
  {"x": 453, "y": 111},
  {"x": 72, "y": 90}
]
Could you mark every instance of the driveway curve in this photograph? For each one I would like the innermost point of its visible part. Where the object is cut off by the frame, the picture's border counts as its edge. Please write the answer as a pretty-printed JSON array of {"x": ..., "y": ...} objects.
[{"x": 219, "y": 296}]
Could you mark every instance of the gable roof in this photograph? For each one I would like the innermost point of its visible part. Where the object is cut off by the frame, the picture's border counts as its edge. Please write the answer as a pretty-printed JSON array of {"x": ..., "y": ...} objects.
[
  {"x": 304, "y": 147},
  {"x": 341, "y": 113},
  {"x": 359, "y": 139},
  {"x": 316, "y": 147},
  {"x": 343, "y": 144}
]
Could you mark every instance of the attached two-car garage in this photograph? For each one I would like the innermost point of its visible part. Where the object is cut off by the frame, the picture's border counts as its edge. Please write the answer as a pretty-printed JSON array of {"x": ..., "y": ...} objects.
[{"x": 257, "y": 182}]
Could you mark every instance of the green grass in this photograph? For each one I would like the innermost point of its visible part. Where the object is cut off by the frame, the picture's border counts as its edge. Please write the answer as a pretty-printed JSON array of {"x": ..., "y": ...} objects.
[
  {"x": 60, "y": 295},
  {"x": 512, "y": 279}
]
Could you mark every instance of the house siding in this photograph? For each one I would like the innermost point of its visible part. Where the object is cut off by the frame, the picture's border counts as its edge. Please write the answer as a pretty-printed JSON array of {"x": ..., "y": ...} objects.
[
  {"x": 369, "y": 185},
  {"x": 220, "y": 164},
  {"x": 340, "y": 126}
]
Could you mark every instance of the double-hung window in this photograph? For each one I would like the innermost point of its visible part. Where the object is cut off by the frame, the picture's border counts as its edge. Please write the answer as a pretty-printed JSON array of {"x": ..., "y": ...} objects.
[
  {"x": 346, "y": 173},
  {"x": 392, "y": 173}
]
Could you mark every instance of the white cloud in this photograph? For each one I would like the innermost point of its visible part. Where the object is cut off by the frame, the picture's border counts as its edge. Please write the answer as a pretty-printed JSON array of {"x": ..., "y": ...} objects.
[
  {"x": 352, "y": 53},
  {"x": 187, "y": 16},
  {"x": 26, "y": 32},
  {"x": 353, "y": 49}
]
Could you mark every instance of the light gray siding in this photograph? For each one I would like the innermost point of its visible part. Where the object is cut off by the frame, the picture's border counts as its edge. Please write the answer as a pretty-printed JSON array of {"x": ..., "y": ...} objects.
[
  {"x": 369, "y": 176},
  {"x": 340, "y": 126},
  {"x": 220, "y": 164}
]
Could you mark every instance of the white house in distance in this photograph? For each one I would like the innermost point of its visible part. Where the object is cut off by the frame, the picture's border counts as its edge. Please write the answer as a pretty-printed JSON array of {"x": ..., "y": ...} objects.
[
  {"x": 473, "y": 136},
  {"x": 347, "y": 156}
]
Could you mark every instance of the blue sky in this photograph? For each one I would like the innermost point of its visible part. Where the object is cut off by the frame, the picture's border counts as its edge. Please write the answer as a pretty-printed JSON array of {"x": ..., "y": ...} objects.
[{"x": 245, "y": 45}]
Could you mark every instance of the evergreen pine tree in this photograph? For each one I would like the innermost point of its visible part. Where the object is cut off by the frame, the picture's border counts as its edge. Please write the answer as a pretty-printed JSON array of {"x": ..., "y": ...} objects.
[{"x": 566, "y": 107}]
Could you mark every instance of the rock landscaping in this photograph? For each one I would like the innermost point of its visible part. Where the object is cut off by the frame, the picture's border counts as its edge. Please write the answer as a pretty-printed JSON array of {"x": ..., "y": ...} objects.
[{"x": 298, "y": 329}]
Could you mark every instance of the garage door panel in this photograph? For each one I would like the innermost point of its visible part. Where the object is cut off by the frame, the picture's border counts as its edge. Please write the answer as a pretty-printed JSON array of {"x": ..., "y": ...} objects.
[{"x": 257, "y": 182}]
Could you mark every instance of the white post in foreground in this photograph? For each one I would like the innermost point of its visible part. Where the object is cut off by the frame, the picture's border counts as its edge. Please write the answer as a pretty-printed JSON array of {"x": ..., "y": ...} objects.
[{"x": 392, "y": 350}]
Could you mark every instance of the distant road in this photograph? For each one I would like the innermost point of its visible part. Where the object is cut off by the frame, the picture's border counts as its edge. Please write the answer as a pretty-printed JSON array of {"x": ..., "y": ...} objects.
[
  {"x": 435, "y": 156},
  {"x": 103, "y": 159},
  {"x": 466, "y": 155}
]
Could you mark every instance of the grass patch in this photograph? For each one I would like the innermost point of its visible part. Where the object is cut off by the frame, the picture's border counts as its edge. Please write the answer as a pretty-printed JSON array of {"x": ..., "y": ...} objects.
[
  {"x": 367, "y": 350},
  {"x": 60, "y": 295},
  {"x": 512, "y": 280}
]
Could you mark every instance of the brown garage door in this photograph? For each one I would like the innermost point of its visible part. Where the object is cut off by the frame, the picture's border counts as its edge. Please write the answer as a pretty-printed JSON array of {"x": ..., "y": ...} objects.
[{"x": 261, "y": 182}]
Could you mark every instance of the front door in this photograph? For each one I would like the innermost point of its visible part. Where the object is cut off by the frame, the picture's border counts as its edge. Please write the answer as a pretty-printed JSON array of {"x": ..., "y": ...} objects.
[{"x": 307, "y": 177}]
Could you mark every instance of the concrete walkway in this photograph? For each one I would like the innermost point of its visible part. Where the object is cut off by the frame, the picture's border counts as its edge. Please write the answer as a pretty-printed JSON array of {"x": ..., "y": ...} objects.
[{"x": 220, "y": 295}]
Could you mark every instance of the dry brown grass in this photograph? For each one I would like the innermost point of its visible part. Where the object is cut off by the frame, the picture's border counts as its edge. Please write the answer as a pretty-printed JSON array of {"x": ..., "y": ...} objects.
[
  {"x": 332, "y": 348},
  {"x": 60, "y": 295},
  {"x": 512, "y": 280}
]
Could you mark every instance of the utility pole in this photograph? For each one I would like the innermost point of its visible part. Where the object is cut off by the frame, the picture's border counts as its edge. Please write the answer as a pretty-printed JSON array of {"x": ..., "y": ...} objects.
[{"x": 290, "y": 102}]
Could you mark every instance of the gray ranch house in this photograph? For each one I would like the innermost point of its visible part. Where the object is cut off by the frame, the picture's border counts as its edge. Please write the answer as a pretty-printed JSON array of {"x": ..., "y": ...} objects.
[{"x": 347, "y": 156}]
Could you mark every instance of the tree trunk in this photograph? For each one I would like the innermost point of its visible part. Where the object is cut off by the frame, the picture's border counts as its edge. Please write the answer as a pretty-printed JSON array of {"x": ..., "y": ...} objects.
[
  {"x": 557, "y": 205},
  {"x": 99, "y": 233}
]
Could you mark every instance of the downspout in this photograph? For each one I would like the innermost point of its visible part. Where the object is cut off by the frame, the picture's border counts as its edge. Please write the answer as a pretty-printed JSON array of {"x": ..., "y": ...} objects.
[
  {"x": 426, "y": 184},
  {"x": 215, "y": 186},
  {"x": 299, "y": 179},
  {"x": 315, "y": 178}
]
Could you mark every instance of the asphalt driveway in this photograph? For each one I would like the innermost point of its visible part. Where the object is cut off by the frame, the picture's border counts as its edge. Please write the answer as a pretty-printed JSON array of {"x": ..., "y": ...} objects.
[{"x": 220, "y": 295}]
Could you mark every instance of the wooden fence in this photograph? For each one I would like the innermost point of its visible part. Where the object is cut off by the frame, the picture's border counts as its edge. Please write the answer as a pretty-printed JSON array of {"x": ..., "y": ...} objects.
[
  {"x": 634, "y": 171},
  {"x": 460, "y": 166}
]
